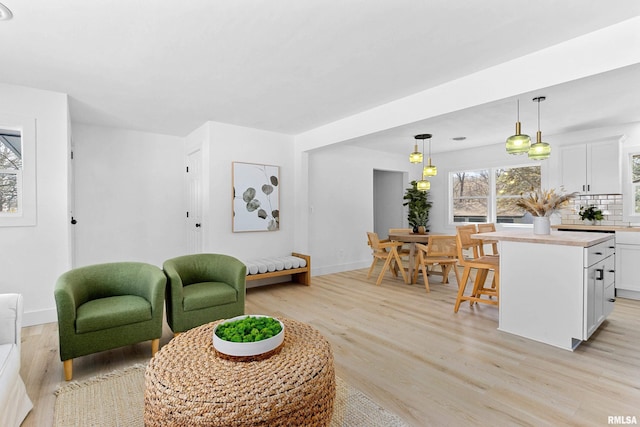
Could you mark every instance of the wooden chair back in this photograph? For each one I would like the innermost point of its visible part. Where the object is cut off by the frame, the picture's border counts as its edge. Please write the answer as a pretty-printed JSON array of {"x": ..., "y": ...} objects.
[
  {"x": 466, "y": 244},
  {"x": 374, "y": 242},
  {"x": 488, "y": 227},
  {"x": 442, "y": 246}
]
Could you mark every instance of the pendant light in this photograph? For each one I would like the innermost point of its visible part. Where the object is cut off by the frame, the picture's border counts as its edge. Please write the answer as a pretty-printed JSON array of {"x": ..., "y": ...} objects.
[
  {"x": 518, "y": 143},
  {"x": 423, "y": 184},
  {"x": 429, "y": 170},
  {"x": 540, "y": 150},
  {"x": 416, "y": 157}
]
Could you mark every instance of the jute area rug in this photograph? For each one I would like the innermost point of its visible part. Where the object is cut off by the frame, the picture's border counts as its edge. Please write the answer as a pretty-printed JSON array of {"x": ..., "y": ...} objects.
[{"x": 117, "y": 399}]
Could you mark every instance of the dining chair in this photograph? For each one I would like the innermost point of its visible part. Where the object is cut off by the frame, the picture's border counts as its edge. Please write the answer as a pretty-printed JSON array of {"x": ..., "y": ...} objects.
[
  {"x": 441, "y": 251},
  {"x": 405, "y": 250},
  {"x": 488, "y": 227},
  {"x": 386, "y": 251},
  {"x": 473, "y": 260}
]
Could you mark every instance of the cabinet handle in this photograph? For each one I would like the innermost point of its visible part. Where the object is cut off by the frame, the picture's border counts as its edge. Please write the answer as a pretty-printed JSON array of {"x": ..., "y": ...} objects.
[
  {"x": 612, "y": 247},
  {"x": 598, "y": 253},
  {"x": 588, "y": 187},
  {"x": 612, "y": 271},
  {"x": 612, "y": 300},
  {"x": 600, "y": 274},
  {"x": 583, "y": 187}
]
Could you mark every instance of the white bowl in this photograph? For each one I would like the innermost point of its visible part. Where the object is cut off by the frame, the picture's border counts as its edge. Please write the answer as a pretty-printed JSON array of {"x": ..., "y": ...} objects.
[{"x": 247, "y": 348}]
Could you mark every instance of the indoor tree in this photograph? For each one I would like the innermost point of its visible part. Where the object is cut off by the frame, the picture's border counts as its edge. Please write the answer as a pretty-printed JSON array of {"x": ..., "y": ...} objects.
[{"x": 419, "y": 205}]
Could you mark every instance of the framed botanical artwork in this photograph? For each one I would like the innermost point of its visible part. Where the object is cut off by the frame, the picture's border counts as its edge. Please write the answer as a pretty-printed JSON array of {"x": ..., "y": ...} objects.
[{"x": 256, "y": 197}]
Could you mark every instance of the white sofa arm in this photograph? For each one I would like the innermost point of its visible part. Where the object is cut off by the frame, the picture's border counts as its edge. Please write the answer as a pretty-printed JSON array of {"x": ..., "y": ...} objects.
[{"x": 10, "y": 319}]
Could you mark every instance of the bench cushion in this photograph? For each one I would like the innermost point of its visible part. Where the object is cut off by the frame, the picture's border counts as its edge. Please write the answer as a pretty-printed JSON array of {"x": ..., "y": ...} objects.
[{"x": 264, "y": 265}]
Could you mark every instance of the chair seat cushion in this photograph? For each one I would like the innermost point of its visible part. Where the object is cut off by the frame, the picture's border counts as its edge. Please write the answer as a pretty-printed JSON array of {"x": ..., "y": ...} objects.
[
  {"x": 111, "y": 312},
  {"x": 208, "y": 294}
]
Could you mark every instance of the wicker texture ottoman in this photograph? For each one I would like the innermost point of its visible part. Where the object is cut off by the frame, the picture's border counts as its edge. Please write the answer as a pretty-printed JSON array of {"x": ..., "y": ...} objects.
[{"x": 188, "y": 384}]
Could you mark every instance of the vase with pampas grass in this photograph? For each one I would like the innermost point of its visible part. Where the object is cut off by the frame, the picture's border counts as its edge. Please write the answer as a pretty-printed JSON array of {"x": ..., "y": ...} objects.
[{"x": 541, "y": 204}]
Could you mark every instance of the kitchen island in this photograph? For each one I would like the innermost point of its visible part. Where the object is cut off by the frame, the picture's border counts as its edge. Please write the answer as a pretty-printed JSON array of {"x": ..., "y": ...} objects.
[{"x": 556, "y": 288}]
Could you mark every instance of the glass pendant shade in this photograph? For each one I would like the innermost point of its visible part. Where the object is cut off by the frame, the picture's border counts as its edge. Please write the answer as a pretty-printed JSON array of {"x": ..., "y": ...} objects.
[
  {"x": 423, "y": 185},
  {"x": 540, "y": 150},
  {"x": 518, "y": 143},
  {"x": 429, "y": 170},
  {"x": 416, "y": 156}
]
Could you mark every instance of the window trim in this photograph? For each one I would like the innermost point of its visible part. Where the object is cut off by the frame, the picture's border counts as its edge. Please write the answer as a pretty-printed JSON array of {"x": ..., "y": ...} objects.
[
  {"x": 628, "y": 187},
  {"x": 26, "y": 215},
  {"x": 492, "y": 196}
]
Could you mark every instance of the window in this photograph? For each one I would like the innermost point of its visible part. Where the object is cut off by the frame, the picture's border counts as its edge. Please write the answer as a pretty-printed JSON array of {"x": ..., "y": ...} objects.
[
  {"x": 10, "y": 172},
  {"x": 631, "y": 186},
  {"x": 635, "y": 182},
  {"x": 17, "y": 171},
  {"x": 471, "y": 196},
  {"x": 489, "y": 195}
]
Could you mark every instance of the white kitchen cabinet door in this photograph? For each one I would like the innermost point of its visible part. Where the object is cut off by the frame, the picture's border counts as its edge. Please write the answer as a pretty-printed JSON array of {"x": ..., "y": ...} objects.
[
  {"x": 603, "y": 168},
  {"x": 574, "y": 168},
  {"x": 628, "y": 267},
  {"x": 591, "y": 168}
]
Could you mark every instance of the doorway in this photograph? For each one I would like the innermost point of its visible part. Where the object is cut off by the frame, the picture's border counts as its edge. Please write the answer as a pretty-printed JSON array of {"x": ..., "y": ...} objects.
[{"x": 388, "y": 193}]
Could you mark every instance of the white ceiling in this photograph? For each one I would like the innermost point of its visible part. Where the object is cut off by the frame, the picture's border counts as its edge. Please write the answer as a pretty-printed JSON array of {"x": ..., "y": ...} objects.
[{"x": 290, "y": 65}]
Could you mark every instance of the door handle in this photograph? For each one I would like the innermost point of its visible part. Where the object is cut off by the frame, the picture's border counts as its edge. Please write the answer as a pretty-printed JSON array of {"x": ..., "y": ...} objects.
[{"x": 198, "y": 225}]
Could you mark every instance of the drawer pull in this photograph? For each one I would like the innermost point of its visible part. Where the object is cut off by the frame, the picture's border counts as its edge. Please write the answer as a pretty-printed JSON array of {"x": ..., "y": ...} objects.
[
  {"x": 611, "y": 271},
  {"x": 600, "y": 274},
  {"x": 612, "y": 300},
  {"x": 598, "y": 253}
]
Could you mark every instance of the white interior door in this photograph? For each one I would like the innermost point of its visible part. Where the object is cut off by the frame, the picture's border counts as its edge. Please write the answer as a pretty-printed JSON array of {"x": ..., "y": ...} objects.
[{"x": 194, "y": 212}]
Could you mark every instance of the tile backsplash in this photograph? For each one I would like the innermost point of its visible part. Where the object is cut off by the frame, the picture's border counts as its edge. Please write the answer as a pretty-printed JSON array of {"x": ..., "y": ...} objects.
[{"x": 609, "y": 204}]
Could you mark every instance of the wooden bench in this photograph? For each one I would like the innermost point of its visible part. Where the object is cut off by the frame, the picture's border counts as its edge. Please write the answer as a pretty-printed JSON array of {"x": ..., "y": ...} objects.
[{"x": 301, "y": 275}]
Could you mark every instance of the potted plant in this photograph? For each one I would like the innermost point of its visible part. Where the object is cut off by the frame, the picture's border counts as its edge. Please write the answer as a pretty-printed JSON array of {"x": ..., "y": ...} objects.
[
  {"x": 591, "y": 213},
  {"x": 419, "y": 205},
  {"x": 541, "y": 204}
]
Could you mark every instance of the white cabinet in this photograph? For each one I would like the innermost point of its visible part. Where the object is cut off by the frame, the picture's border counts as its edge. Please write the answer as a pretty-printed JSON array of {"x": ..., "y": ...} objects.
[
  {"x": 599, "y": 279},
  {"x": 591, "y": 168},
  {"x": 554, "y": 291},
  {"x": 627, "y": 264}
]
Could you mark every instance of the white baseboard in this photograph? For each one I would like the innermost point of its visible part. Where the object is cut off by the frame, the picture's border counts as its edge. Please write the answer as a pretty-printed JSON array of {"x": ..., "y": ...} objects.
[
  {"x": 339, "y": 268},
  {"x": 39, "y": 317}
]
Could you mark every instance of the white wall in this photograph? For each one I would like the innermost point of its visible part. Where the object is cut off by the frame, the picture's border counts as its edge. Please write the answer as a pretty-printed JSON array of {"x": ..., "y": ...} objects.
[
  {"x": 32, "y": 257},
  {"x": 129, "y": 196},
  {"x": 226, "y": 144},
  {"x": 340, "y": 204}
]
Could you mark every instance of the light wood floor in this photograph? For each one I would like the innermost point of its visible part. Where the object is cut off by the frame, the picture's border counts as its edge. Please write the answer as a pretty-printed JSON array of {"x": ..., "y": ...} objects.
[{"x": 409, "y": 352}]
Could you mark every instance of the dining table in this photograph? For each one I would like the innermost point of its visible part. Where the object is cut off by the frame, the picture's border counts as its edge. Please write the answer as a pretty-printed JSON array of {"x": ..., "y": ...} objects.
[{"x": 410, "y": 238}]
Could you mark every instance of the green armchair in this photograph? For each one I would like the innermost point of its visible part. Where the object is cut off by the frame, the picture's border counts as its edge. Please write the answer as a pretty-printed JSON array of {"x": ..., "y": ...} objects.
[
  {"x": 105, "y": 306},
  {"x": 202, "y": 288}
]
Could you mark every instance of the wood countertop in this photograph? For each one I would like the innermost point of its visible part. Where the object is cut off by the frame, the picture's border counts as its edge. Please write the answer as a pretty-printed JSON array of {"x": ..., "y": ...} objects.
[
  {"x": 602, "y": 228},
  {"x": 566, "y": 238}
]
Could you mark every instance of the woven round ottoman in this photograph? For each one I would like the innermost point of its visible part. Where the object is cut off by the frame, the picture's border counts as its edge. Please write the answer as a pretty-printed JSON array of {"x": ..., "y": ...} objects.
[{"x": 188, "y": 384}]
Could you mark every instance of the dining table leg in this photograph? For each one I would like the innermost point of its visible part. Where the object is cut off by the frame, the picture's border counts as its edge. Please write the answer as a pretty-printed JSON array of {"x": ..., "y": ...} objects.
[{"x": 412, "y": 262}]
